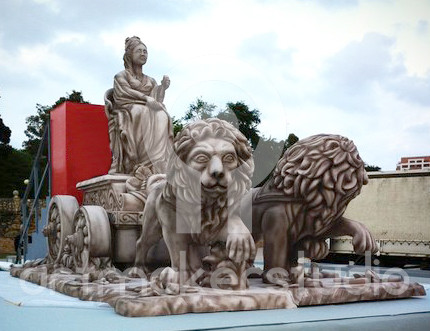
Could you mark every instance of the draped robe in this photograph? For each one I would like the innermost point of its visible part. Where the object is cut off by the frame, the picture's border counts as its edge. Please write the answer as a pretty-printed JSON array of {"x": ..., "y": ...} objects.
[{"x": 143, "y": 131}]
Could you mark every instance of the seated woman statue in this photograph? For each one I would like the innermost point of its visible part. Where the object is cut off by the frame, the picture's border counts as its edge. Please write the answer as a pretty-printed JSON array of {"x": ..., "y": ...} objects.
[{"x": 140, "y": 129}]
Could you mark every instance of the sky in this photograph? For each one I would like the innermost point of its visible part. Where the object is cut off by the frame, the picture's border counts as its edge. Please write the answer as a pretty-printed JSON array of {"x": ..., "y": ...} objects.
[{"x": 356, "y": 68}]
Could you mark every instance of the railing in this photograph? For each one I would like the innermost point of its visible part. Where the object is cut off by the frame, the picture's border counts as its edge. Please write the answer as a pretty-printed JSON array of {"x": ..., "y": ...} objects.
[{"x": 35, "y": 185}]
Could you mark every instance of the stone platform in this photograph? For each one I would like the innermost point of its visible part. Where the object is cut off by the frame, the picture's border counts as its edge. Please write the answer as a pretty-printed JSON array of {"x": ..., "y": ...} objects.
[{"x": 138, "y": 297}]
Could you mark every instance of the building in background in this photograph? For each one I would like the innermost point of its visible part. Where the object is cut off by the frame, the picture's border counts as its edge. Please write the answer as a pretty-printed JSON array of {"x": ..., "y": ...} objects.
[
  {"x": 395, "y": 207},
  {"x": 414, "y": 163}
]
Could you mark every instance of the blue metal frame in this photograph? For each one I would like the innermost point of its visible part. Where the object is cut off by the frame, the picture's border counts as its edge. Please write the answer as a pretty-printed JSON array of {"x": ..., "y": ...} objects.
[{"x": 35, "y": 184}]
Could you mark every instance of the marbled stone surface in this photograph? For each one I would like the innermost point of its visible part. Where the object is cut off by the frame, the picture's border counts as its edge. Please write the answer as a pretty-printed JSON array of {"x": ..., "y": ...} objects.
[{"x": 137, "y": 297}]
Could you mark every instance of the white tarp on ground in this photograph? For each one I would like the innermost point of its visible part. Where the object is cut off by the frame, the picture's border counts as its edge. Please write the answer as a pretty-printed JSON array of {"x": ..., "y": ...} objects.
[
  {"x": 23, "y": 293},
  {"x": 27, "y": 305},
  {"x": 5, "y": 266}
]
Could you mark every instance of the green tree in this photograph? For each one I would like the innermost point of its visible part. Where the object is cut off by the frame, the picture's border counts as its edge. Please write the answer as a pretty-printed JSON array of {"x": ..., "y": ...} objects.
[
  {"x": 291, "y": 140},
  {"x": 178, "y": 125},
  {"x": 370, "y": 168},
  {"x": 236, "y": 113},
  {"x": 36, "y": 123},
  {"x": 200, "y": 110},
  {"x": 246, "y": 120},
  {"x": 5, "y": 132},
  {"x": 14, "y": 169}
]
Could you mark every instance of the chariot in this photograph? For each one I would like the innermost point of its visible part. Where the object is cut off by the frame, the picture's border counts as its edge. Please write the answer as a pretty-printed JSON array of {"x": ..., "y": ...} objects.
[{"x": 97, "y": 222}]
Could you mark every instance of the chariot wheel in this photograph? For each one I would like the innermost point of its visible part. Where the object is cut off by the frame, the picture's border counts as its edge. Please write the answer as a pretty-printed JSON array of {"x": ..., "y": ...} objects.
[
  {"x": 61, "y": 211},
  {"x": 90, "y": 242}
]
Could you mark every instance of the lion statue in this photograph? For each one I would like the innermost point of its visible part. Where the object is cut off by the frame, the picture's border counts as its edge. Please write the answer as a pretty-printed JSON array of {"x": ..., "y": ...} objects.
[
  {"x": 303, "y": 203},
  {"x": 198, "y": 204}
]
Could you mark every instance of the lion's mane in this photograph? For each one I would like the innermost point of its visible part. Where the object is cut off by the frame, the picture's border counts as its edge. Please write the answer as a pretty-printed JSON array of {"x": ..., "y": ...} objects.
[
  {"x": 324, "y": 173},
  {"x": 180, "y": 187}
]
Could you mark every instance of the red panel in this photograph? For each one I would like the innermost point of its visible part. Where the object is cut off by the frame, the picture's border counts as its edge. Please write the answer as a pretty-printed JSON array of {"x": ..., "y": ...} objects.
[
  {"x": 58, "y": 150},
  {"x": 79, "y": 146}
]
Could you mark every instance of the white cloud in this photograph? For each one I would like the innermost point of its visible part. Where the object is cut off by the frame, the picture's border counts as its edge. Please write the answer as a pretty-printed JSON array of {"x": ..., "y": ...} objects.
[{"x": 358, "y": 68}]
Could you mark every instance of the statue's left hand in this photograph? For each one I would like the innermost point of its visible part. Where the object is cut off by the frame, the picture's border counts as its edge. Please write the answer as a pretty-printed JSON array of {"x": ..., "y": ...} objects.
[{"x": 165, "y": 82}]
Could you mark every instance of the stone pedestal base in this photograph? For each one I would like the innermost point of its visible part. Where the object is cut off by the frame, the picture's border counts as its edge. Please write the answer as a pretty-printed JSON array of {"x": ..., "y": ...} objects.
[{"x": 137, "y": 297}]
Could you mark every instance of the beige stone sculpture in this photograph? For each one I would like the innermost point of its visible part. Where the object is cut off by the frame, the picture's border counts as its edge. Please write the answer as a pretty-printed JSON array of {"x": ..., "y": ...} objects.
[
  {"x": 198, "y": 205},
  {"x": 140, "y": 128},
  {"x": 303, "y": 203},
  {"x": 196, "y": 208},
  {"x": 195, "y": 195}
]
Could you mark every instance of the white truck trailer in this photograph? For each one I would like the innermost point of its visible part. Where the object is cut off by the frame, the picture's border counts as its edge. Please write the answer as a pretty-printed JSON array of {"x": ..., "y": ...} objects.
[{"x": 395, "y": 206}]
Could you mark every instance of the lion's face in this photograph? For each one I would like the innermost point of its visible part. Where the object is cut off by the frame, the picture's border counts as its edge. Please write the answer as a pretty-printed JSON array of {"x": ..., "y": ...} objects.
[
  {"x": 214, "y": 159},
  {"x": 211, "y": 158}
]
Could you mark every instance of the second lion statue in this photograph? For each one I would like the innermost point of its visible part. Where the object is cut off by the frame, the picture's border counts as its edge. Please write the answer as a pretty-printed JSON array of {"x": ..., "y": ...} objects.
[
  {"x": 303, "y": 203},
  {"x": 198, "y": 204}
]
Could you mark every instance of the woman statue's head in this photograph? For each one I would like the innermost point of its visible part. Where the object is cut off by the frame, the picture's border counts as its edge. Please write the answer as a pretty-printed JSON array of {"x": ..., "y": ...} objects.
[{"x": 135, "y": 52}]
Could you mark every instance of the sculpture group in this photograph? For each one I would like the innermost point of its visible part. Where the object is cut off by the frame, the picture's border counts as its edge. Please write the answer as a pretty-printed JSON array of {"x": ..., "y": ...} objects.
[{"x": 188, "y": 200}]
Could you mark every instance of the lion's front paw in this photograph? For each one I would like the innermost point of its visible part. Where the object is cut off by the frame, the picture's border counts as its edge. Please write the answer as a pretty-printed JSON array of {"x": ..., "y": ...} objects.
[
  {"x": 240, "y": 247},
  {"x": 363, "y": 241},
  {"x": 168, "y": 275}
]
